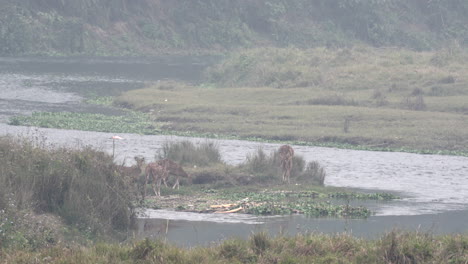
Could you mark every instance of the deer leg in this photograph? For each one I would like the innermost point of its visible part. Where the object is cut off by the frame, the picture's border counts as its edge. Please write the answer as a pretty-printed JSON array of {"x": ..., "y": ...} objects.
[
  {"x": 158, "y": 184},
  {"x": 176, "y": 184},
  {"x": 144, "y": 185}
]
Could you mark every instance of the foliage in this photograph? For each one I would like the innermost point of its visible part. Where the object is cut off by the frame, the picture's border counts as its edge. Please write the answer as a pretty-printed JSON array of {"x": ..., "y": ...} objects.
[
  {"x": 81, "y": 186},
  {"x": 124, "y": 27}
]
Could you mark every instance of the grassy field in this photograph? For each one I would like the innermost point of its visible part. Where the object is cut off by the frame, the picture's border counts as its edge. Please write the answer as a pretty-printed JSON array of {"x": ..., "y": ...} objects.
[{"x": 361, "y": 97}]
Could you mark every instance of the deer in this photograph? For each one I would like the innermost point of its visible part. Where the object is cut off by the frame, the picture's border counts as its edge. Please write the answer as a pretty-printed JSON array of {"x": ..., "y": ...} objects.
[
  {"x": 286, "y": 154},
  {"x": 158, "y": 173},
  {"x": 173, "y": 168}
]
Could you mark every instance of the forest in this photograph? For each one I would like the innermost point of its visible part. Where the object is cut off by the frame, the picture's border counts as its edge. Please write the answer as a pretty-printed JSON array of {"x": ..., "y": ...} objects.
[{"x": 124, "y": 27}]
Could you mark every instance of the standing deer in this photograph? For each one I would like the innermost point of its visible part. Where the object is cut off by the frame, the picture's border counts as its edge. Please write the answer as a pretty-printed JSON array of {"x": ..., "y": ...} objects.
[
  {"x": 160, "y": 170},
  {"x": 173, "y": 168},
  {"x": 158, "y": 173},
  {"x": 286, "y": 154}
]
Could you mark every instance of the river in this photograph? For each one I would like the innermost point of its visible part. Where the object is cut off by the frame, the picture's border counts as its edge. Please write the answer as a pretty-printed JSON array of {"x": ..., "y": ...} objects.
[{"x": 434, "y": 187}]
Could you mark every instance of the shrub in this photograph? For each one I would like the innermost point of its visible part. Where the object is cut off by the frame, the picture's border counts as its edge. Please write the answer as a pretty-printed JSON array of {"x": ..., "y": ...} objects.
[
  {"x": 81, "y": 185},
  {"x": 185, "y": 152},
  {"x": 314, "y": 173}
]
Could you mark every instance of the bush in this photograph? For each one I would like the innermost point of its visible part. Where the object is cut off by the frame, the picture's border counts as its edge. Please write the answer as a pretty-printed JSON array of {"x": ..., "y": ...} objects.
[
  {"x": 185, "y": 152},
  {"x": 81, "y": 185},
  {"x": 314, "y": 173}
]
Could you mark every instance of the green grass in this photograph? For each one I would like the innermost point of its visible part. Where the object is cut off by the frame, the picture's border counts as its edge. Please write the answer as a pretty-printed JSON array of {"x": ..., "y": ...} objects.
[{"x": 393, "y": 247}]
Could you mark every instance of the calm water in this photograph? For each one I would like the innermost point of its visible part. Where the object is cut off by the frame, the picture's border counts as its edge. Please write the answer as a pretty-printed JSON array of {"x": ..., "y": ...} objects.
[{"x": 434, "y": 188}]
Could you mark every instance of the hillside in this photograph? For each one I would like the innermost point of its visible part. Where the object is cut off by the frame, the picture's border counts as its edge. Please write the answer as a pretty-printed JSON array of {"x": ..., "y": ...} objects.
[{"x": 125, "y": 27}]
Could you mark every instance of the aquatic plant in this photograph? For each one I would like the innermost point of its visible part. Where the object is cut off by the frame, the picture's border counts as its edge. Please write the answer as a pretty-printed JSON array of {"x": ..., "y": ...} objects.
[
  {"x": 131, "y": 122},
  {"x": 366, "y": 196}
]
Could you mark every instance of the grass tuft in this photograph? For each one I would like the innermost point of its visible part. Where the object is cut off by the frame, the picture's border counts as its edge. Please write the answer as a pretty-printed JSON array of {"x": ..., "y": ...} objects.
[{"x": 186, "y": 152}]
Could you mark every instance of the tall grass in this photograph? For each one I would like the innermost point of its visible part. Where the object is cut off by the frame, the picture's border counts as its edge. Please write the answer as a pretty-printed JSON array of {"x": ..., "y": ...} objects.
[
  {"x": 82, "y": 185},
  {"x": 394, "y": 247},
  {"x": 186, "y": 152}
]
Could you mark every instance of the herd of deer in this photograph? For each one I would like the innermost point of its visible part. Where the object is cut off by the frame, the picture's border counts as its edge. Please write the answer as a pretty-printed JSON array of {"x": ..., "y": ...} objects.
[{"x": 158, "y": 172}]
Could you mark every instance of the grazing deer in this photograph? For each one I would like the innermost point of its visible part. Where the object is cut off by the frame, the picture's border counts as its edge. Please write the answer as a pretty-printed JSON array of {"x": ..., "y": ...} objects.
[
  {"x": 172, "y": 168},
  {"x": 158, "y": 173},
  {"x": 286, "y": 154}
]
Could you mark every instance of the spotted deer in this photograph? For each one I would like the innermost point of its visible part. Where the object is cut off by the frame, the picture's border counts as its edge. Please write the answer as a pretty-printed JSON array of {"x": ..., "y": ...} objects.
[
  {"x": 156, "y": 173},
  {"x": 173, "y": 168},
  {"x": 286, "y": 154}
]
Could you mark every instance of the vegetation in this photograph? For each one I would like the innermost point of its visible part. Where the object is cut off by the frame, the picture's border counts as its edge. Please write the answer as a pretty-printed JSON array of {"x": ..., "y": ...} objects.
[
  {"x": 255, "y": 186},
  {"x": 132, "y": 122},
  {"x": 186, "y": 152},
  {"x": 154, "y": 27},
  {"x": 393, "y": 247},
  {"x": 81, "y": 186},
  {"x": 356, "y": 98}
]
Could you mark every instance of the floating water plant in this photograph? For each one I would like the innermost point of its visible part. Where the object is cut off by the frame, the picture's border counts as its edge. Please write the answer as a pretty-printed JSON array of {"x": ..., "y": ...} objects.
[{"x": 131, "y": 122}]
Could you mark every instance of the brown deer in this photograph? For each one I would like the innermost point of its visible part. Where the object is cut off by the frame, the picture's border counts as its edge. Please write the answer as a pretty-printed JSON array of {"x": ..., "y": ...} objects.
[
  {"x": 158, "y": 173},
  {"x": 286, "y": 154},
  {"x": 173, "y": 168}
]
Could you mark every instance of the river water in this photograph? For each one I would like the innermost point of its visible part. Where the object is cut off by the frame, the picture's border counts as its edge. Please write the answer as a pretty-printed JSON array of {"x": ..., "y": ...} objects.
[{"x": 434, "y": 188}]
